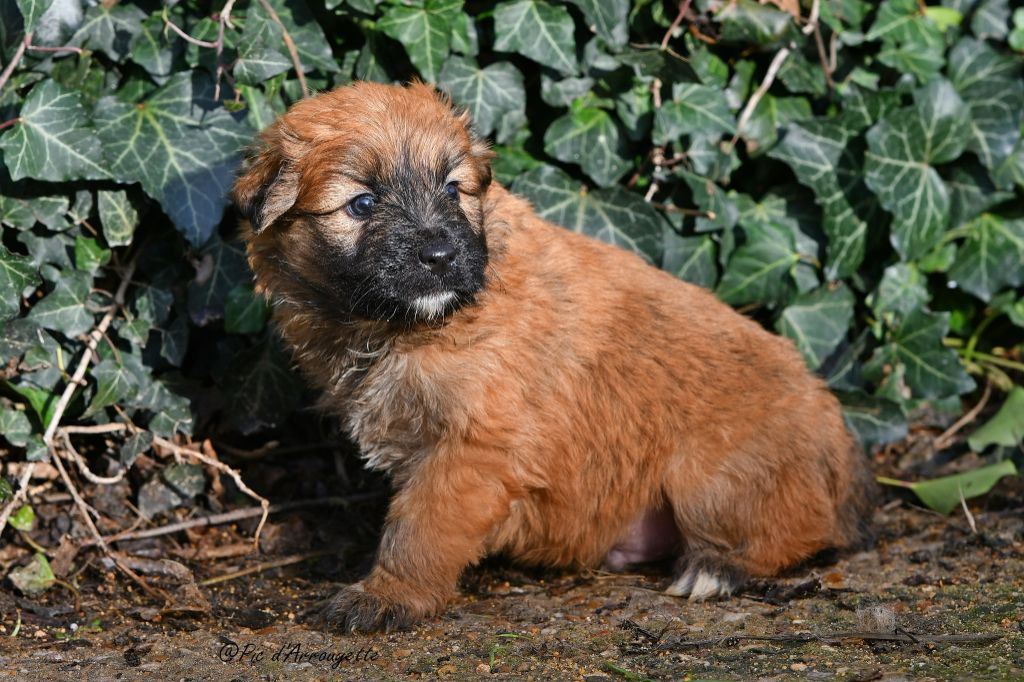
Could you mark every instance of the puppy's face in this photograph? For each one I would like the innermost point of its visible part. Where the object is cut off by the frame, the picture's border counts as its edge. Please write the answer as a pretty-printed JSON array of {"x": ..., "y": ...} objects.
[{"x": 365, "y": 202}]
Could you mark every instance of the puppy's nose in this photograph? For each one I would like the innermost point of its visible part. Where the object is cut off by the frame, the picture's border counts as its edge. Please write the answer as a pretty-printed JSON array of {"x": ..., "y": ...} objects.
[{"x": 438, "y": 256}]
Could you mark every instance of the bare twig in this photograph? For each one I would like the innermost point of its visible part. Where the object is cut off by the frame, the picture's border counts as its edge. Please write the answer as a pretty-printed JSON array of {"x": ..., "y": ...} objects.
[
  {"x": 967, "y": 512},
  {"x": 290, "y": 44},
  {"x": 946, "y": 438},
  {"x": 62, "y": 48},
  {"x": 185, "y": 36},
  {"x": 834, "y": 638},
  {"x": 762, "y": 90},
  {"x": 812, "y": 18},
  {"x": 83, "y": 506},
  {"x": 684, "y": 6},
  {"x": 69, "y": 390},
  {"x": 113, "y": 427},
  {"x": 239, "y": 515},
  {"x": 6, "y": 75},
  {"x": 83, "y": 468},
  {"x": 266, "y": 566},
  {"x": 224, "y": 468}
]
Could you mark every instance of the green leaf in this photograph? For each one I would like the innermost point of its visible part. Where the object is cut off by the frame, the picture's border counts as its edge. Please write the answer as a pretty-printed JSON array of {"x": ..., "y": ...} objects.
[
  {"x": 15, "y": 427},
  {"x": 912, "y": 41},
  {"x": 747, "y": 21},
  {"x": 488, "y": 94},
  {"x": 944, "y": 17},
  {"x": 245, "y": 312},
  {"x": 52, "y": 139},
  {"x": 944, "y": 494},
  {"x": 33, "y": 578},
  {"x": 823, "y": 157},
  {"x": 464, "y": 35},
  {"x": 694, "y": 108},
  {"x": 991, "y": 19},
  {"x": 537, "y": 30},
  {"x": 25, "y": 213},
  {"x": 41, "y": 401},
  {"x": 991, "y": 256},
  {"x": 589, "y": 137},
  {"x": 613, "y": 214},
  {"x": 310, "y": 42},
  {"x": 770, "y": 115},
  {"x": 31, "y": 10},
  {"x": 89, "y": 254},
  {"x": 607, "y": 18},
  {"x": 117, "y": 216},
  {"x": 261, "y": 53},
  {"x": 264, "y": 391},
  {"x": 151, "y": 50},
  {"x": 902, "y": 149},
  {"x": 991, "y": 87},
  {"x": 691, "y": 259},
  {"x": 63, "y": 309},
  {"x": 971, "y": 192},
  {"x": 116, "y": 379},
  {"x": 876, "y": 421},
  {"x": 931, "y": 369},
  {"x": 424, "y": 30},
  {"x": 180, "y": 145},
  {"x": 222, "y": 266},
  {"x": 16, "y": 274},
  {"x": 902, "y": 290},
  {"x": 759, "y": 270},
  {"x": 23, "y": 519},
  {"x": 817, "y": 322},
  {"x": 1006, "y": 427},
  {"x": 109, "y": 30}
]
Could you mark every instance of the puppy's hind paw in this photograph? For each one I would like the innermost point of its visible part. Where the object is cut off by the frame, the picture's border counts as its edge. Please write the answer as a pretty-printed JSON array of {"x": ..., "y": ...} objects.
[
  {"x": 354, "y": 609},
  {"x": 699, "y": 585}
]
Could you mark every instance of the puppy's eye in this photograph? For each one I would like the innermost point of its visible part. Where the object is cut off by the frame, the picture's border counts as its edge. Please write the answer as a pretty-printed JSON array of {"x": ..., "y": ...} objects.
[
  {"x": 452, "y": 190},
  {"x": 362, "y": 206}
]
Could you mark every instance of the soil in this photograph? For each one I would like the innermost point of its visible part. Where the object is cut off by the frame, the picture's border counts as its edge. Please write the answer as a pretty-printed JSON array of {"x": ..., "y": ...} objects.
[{"x": 933, "y": 599}]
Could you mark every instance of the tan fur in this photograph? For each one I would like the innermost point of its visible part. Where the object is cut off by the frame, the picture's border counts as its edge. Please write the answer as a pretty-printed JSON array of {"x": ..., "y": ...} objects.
[{"x": 583, "y": 388}]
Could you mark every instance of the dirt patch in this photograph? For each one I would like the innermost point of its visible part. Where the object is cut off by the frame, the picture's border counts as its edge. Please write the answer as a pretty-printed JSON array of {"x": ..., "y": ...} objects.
[{"x": 879, "y": 614}]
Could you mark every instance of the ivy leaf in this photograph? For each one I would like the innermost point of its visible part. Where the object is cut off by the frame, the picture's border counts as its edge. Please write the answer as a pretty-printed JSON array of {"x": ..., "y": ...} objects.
[
  {"x": 759, "y": 270},
  {"x": 180, "y": 145},
  {"x": 691, "y": 259},
  {"x": 260, "y": 53},
  {"x": 902, "y": 149},
  {"x": 31, "y": 10},
  {"x": 109, "y": 30},
  {"x": 33, "y": 578},
  {"x": 971, "y": 191},
  {"x": 746, "y": 21},
  {"x": 901, "y": 290},
  {"x": 589, "y": 137},
  {"x": 24, "y": 213},
  {"x": 263, "y": 390},
  {"x": 425, "y": 30},
  {"x": 911, "y": 40},
  {"x": 63, "y": 309},
  {"x": 151, "y": 50},
  {"x": 52, "y": 139},
  {"x": 487, "y": 93},
  {"x": 608, "y": 18},
  {"x": 876, "y": 421},
  {"x": 222, "y": 267},
  {"x": 990, "y": 85},
  {"x": 310, "y": 42},
  {"x": 15, "y": 427},
  {"x": 16, "y": 274},
  {"x": 822, "y": 156},
  {"x": 991, "y": 19},
  {"x": 944, "y": 494},
  {"x": 115, "y": 381},
  {"x": 817, "y": 322},
  {"x": 930, "y": 369},
  {"x": 89, "y": 254},
  {"x": 1005, "y": 428},
  {"x": 613, "y": 214},
  {"x": 694, "y": 108},
  {"x": 117, "y": 216},
  {"x": 991, "y": 256},
  {"x": 244, "y": 311},
  {"x": 537, "y": 30}
]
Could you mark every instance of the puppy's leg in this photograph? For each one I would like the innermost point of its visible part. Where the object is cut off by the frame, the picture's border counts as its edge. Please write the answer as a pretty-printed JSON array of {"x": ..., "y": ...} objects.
[
  {"x": 705, "y": 574},
  {"x": 436, "y": 526}
]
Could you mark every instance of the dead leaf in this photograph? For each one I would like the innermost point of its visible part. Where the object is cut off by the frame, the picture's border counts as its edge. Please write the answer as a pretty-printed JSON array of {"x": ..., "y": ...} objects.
[{"x": 790, "y": 6}]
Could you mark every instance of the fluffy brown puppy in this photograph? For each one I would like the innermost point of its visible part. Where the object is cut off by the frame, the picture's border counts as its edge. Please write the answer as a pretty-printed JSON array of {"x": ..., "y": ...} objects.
[{"x": 530, "y": 391}]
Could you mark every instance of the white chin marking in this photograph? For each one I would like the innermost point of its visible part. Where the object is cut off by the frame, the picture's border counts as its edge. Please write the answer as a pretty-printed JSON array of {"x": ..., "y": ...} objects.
[
  {"x": 699, "y": 585},
  {"x": 432, "y": 305}
]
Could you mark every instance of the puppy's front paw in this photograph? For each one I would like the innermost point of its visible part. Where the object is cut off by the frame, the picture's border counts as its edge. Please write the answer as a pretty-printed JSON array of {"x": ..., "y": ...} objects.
[
  {"x": 354, "y": 609},
  {"x": 702, "y": 577}
]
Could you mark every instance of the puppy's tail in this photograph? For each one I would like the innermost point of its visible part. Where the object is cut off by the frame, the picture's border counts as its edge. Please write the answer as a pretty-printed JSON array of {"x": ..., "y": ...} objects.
[{"x": 857, "y": 501}]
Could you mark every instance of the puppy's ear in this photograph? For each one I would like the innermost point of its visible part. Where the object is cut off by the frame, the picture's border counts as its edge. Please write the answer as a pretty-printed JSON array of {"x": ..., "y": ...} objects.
[
  {"x": 480, "y": 151},
  {"x": 268, "y": 187}
]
